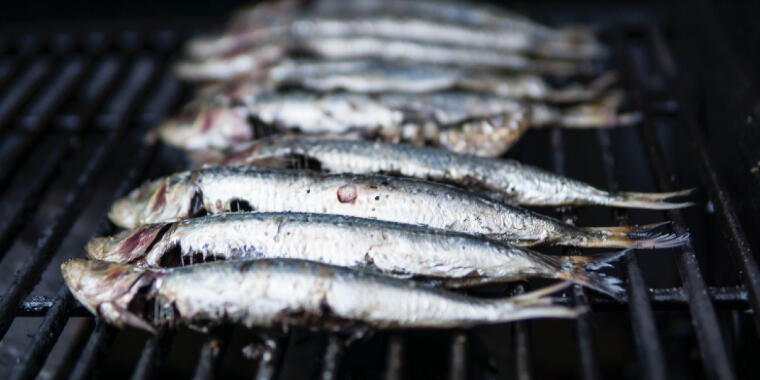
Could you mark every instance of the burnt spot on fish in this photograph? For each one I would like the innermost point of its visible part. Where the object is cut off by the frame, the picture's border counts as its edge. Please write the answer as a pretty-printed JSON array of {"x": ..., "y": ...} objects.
[
  {"x": 239, "y": 205},
  {"x": 347, "y": 193}
]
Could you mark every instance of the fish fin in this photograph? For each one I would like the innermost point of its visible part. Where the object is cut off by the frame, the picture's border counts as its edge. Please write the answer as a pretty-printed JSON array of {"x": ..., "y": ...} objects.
[
  {"x": 579, "y": 269},
  {"x": 604, "y": 81},
  {"x": 199, "y": 158},
  {"x": 539, "y": 295},
  {"x": 122, "y": 317},
  {"x": 651, "y": 201},
  {"x": 601, "y": 113},
  {"x": 631, "y": 237}
]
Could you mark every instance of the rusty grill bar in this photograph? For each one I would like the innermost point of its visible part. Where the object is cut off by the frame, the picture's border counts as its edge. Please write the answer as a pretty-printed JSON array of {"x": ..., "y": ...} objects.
[{"x": 127, "y": 87}]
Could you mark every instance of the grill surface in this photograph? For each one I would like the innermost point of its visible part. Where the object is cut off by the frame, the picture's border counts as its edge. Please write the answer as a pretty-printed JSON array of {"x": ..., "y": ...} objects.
[{"x": 74, "y": 111}]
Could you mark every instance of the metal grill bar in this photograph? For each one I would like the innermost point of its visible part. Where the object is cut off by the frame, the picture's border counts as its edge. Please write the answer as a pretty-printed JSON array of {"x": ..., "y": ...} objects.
[
  {"x": 22, "y": 92},
  {"x": 458, "y": 355},
  {"x": 270, "y": 359},
  {"x": 587, "y": 350},
  {"x": 394, "y": 357},
  {"x": 144, "y": 156},
  {"x": 523, "y": 350},
  {"x": 715, "y": 357},
  {"x": 648, "y": 347},
  {"x": 100, "y": 338},
  {"x": 331, "y": 358},
  {"x": 212, "y": 352},
  {"x": 31, "y": 201},
  {"x": 742, "y": 252},
  {"x": 151, "y": 357},
  {"x": 53, "y": 235}
]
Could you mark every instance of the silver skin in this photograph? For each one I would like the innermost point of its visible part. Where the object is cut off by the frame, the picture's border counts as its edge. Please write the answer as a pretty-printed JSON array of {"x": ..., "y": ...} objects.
[
  {"x": 454, "y": 120},
  {"x": 507, "y": 180},
  {"x": 467, "y": 15},
  {"x": 394, "y": 28},
  {"x": 360, "y": 47},
  {"x": 270, "y": 293},
  {"x": 395, "y": 249},
  {"x": 216, "y": 190},
  {"x": 367, "y": 76}
]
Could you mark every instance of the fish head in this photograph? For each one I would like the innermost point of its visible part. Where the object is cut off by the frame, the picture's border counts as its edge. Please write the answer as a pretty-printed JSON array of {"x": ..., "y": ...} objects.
[
  {"x": 106, "y": 289},
  {"x": 209, "y": 126},
  {"x": 169, "y": 198},
  {"x": 126, "y": 246}
]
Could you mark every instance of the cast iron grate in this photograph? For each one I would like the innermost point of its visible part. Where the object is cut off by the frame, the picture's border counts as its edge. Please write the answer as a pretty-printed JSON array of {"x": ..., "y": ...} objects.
[{"x": 91, "y": 97}]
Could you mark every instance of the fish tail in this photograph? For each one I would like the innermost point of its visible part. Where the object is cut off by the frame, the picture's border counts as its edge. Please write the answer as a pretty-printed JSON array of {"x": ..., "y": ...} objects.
[
  {"x": 630, "y": 237},
  {"x": 537, "y": 304},
  {"x": 651, "y": 201},
  {"x": 601, "y": 113},
  {"x": 580, "y": 270}
]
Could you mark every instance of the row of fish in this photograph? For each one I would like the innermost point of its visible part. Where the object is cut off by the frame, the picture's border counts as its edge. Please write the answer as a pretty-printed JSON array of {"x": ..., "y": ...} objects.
[
  {"x": 469, "y": 79},
  {"x": 389, "y": 199}
]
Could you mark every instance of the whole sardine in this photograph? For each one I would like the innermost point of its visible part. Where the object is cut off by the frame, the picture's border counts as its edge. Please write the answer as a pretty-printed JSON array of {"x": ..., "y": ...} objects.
[
  {"x": 358, "y": 47},
  {"x": 396, "y": 28},
  {"x": 391, "y": 248},
  {"x": 367, "y": 76},
  {"x": 418, "y": 118},
  {"x": 217, "y": 189},
  {"x": 504, "y": 179},
  {"x": 283, "y": 292}
]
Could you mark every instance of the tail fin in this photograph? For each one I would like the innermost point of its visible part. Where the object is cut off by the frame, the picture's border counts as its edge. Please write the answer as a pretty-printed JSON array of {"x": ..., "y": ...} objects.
[
  {"x": 651, "y": 201},
  {"x": 631, "y": 237},
  {"x": 599, "y": 114},
  {"x": 578, "y": 269},
  {"x": 536, "y": 304}
]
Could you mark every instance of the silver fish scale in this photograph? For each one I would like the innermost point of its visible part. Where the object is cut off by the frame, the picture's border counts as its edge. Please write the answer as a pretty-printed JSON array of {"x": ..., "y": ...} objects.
[
  {"x": 266, "y": 293},
  {"x": 384, "y": 198},
  {"x": 514, "y": 182},
  {"x": 352, "y": 242}
]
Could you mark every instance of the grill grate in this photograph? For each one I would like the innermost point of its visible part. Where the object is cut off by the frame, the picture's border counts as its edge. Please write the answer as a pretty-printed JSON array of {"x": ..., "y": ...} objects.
[{"x": 109, "y": 88}]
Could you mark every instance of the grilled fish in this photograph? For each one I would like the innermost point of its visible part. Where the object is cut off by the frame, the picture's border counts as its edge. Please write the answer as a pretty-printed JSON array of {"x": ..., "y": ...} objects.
[
  {"x": 284, "y": 292},
  {"x": 399, "y": 29},
  {"x": 215, "y": 190},
  {"x": 437, "y": 118},
  {"x": 359, "y": 47},
  {"x": 507, "y": 180},
  {"x": 396, "y": 249},
  {"x": 367, "y": 76}
]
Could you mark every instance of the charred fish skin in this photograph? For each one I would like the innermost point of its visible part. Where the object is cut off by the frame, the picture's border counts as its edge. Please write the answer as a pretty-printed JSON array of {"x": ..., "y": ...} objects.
[
  {"x": 215, "y": 190},
  {"x": 395, "y": 249},
  {"x": 269, "y": 293},
  {"x": 514, "y": 182}
]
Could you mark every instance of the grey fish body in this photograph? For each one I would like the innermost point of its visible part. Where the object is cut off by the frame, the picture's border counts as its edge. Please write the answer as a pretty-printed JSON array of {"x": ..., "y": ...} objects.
[
  {"x": 218, "y": 190},
  {"x": 282, "y": 292},
  {"x": 507, "y": 179},
  {"x": 392, "y": 248},
  {"x": 361, "y": 47},
  {"x": 403, "y": 29},
  {"x": 367, "y": 76},
  {"x": 464, "y": 122}
]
